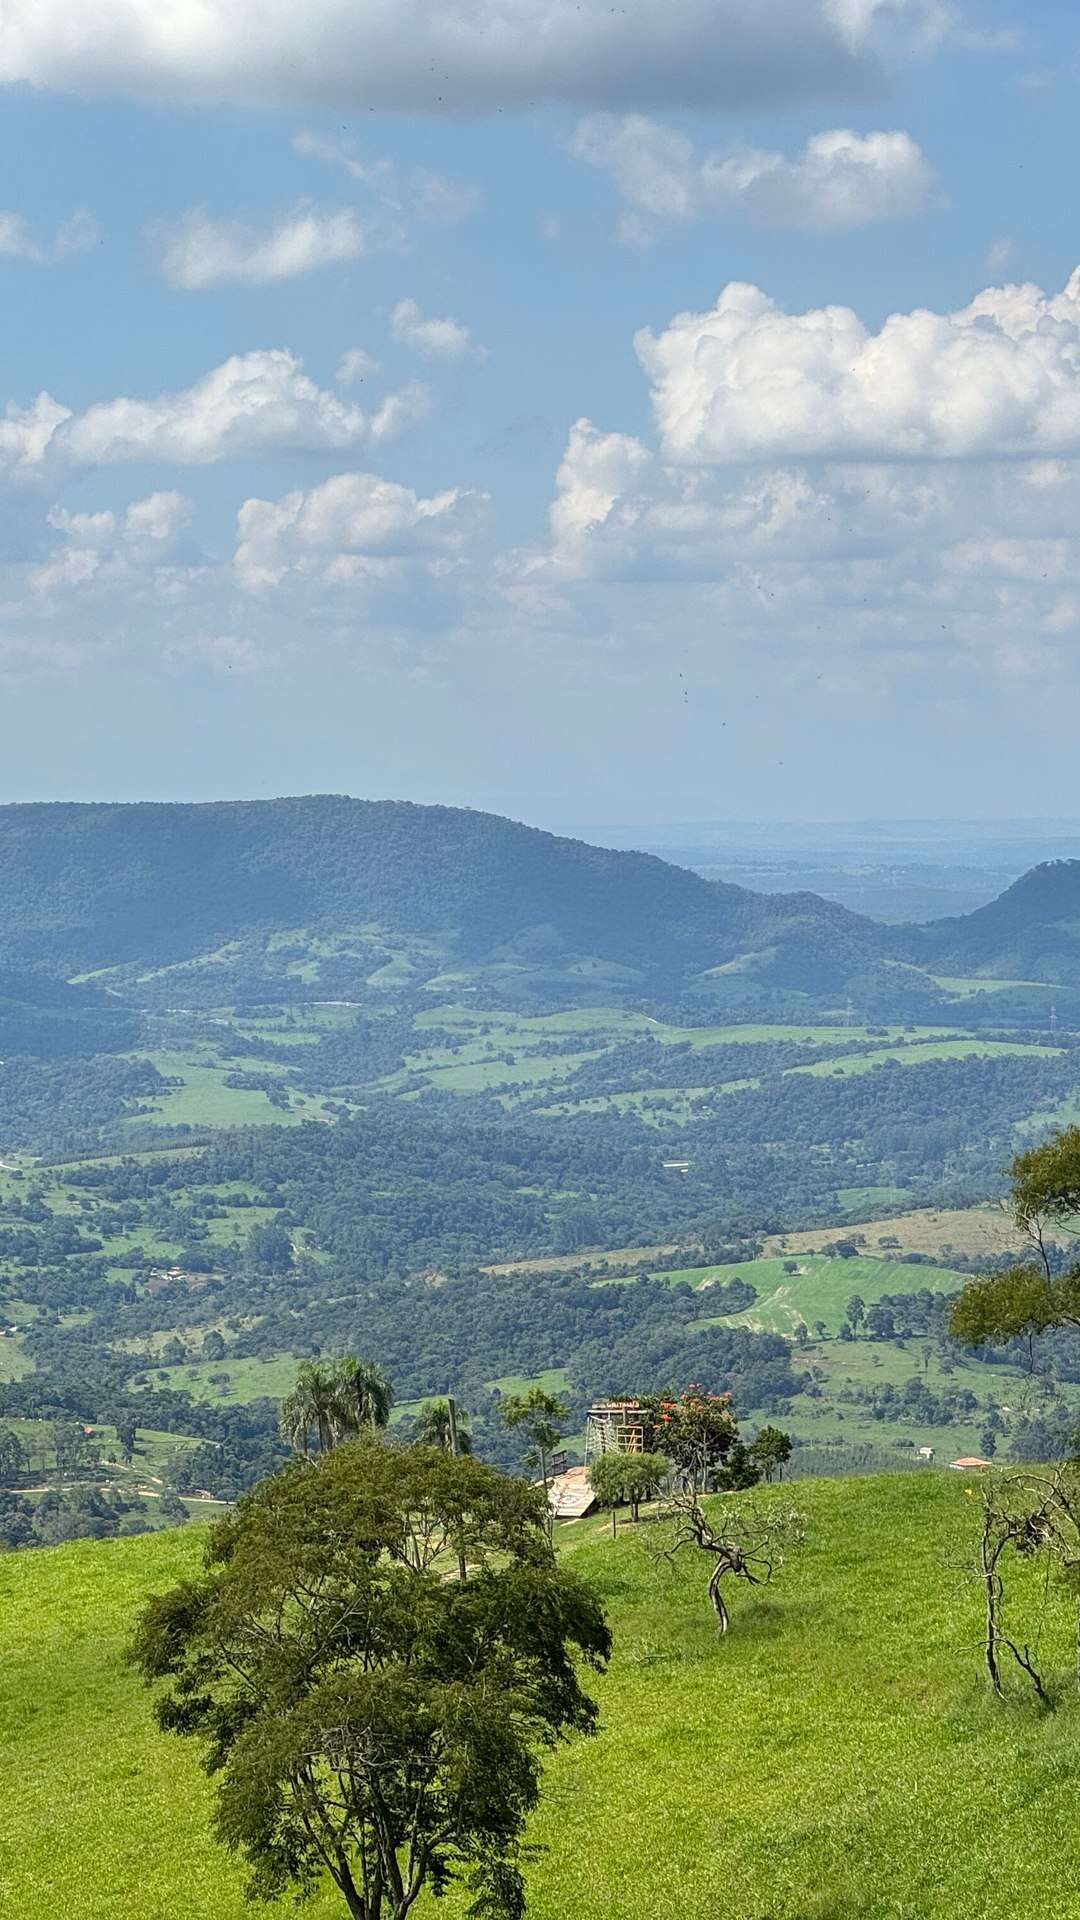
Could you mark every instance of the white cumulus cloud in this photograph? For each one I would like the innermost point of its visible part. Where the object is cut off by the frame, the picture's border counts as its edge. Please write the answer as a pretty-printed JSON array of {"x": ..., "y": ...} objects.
[
  {"x": 840, "y": 179},
  {"x": 439, "y": 339},
  {"x": 83, "y": 527},
  {"x": 748, "y": 381},
  {"x": 158, "y": 517},
  {"x": 445, "y": 56},
  {"x": 351, "y": 521},
  {"x": 198, "y": 251},
  {"x": 104, "y": 550},
  {"x": 598, "y": 473},
  {"x": 251, "y": 403},
  {"x": 883, "y": 577}
]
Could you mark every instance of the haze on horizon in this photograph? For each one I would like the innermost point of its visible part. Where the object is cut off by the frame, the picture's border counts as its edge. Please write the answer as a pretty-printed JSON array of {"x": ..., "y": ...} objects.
[{"x": 679, "y": 425}]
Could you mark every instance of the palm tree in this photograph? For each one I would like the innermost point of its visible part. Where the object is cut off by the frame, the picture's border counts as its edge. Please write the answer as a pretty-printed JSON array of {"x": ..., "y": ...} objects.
[
  {"x": 434, "y": 1428},
  {"x": 308, "y": 1411},
  {"x": 363, "y": 1397},
  {"x": 332, "y": 1401}
]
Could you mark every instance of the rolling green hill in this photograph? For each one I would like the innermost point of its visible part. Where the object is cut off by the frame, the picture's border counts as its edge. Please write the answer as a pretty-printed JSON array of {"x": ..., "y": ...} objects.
[
  {"x": 834, "y": 1759},
  {"x": 817, "y": 1288},
  {"x": 340, "y": 889}
]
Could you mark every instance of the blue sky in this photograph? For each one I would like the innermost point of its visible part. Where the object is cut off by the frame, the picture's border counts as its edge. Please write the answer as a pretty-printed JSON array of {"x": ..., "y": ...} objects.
[{"x": 659, "y": 415}]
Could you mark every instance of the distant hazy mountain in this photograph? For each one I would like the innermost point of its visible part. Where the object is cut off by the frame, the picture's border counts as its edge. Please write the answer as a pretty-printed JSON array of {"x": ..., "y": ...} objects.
[
  {"x": 193, "y": 904},
  {"x": 1031, "y": 932},
  {"x": 418, "y": 890}
]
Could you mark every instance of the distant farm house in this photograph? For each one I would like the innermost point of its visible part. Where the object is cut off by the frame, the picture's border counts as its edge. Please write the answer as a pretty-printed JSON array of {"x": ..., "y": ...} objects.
[
  {"x": 969, "y": 1463},
  {"x": 676, "y": 1166},
  {"x": 162, "y": 1278},
  {"x": 927, "y": 1454}
]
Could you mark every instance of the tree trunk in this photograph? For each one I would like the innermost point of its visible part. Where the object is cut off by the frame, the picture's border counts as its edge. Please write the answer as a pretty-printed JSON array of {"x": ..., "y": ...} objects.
[
  {"x": 1025, "y": 1661},
  {"x": 451, "y": 1413},
  {"x": 362, "y": 1905},
  {"x": 990, "y": 1649},
  {"x": 716, "y": 1599}
]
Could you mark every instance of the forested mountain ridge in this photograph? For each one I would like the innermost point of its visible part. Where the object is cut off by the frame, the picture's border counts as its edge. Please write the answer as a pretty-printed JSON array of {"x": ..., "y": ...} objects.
[
  {"x": 1031, "y": 931},
  {"x": 95, "y": 887},
  {"x": 206, "y": 903}
]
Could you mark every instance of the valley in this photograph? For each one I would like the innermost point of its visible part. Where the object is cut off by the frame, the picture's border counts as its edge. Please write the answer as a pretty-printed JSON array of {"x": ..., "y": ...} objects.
[{"x": 496, "y": 1149}]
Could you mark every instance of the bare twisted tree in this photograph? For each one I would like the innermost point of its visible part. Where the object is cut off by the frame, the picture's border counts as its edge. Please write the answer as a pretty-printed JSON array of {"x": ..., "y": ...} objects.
[{"x": 747, "y": 1541}]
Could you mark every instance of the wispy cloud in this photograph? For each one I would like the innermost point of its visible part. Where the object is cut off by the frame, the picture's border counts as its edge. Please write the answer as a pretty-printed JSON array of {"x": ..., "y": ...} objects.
[
  {"x": 199, "y": 251},
  {"x": 418, "y": 191},
  {"x": 438, "y": 339},
  {"x": 18, "y": 241}
]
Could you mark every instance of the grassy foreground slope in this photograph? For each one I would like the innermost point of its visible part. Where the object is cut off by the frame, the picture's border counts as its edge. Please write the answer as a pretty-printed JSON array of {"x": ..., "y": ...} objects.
[{"x": 834, "y": 1759}]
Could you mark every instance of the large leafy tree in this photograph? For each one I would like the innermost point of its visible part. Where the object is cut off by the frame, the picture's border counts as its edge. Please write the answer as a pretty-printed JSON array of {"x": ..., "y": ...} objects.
[
  {"x": 695, "y": 1429},
  {"x": 368, "y": 1717},
  {"x": 770, "y": 1451},
  {"x": 633, "y": 1477},
  {"x": 1032, "y": 1296}
]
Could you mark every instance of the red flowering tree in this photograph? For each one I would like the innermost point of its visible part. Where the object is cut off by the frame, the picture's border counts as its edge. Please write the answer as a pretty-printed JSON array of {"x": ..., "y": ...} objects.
[{"x": 695, "y": 1429}]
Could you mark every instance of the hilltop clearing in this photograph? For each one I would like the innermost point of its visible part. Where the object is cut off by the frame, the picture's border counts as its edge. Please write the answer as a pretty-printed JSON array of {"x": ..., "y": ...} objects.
[{"x": 834, "y": 1759}]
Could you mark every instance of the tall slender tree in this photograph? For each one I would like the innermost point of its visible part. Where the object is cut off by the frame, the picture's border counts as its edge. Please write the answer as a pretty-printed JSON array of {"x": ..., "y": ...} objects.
[
  {"x": 363, "y": 1397},
  {"x": 435, "y": 1428},
  {"x": 541, "y": 1415}
]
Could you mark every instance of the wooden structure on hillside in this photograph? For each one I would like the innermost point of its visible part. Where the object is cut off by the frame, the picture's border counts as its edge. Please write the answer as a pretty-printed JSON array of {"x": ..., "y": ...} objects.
[
  {"x": 570, "y": 1496},
  {"x": 614, "y": 1426}
]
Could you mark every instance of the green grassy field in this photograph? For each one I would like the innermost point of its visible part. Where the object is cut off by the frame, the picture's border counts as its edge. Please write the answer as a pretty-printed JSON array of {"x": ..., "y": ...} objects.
[
  {"x": 819, "y": 1289},
  {"x": 964, "y": 985},
  {"x": 618, "y": 1023},
  {"x": 14, "y": 1363},
  {"x": 918, "y": 1052},
  {"x": 203, "y": 1099},
  {"x": 246, "y": 1379},
  {"x": 553, "y": 1381},
  {"x": 834, "y": 1759},
  {"x": 858, "y": 1200},
  {"x": 471, "y": 1068}
]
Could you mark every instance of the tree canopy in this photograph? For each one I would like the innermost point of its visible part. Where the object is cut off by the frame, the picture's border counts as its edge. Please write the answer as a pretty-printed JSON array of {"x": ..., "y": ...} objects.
[
  {"x": 369, "y": 1718},
  {"x": 1033, "y": 1296}
]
